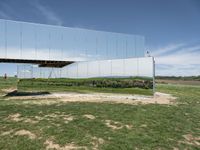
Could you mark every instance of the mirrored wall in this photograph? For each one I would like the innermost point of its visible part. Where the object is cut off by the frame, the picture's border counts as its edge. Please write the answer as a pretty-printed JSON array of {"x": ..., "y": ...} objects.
[{"x": 20, "y": 40}]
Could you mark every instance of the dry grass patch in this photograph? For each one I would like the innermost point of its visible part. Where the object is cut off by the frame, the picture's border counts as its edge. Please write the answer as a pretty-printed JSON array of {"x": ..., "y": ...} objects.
[
  {"x": 143, "y": 126},
  {"x": 191, "y": 140},
  {"x": 31, "y": 121},
  {"x": 51, "y": 145},
  {"x": 7, "y": 133},
  {"x": 17, "y": 117},
  {"x": 88, "y": 116},
  {"x": 52, "y": 116},
  {"x": 96, "y": 142},
  {"x": 66, "y": 118},
  {"x": 27, "y": 133},
  {"x": 116, "y": 125}
]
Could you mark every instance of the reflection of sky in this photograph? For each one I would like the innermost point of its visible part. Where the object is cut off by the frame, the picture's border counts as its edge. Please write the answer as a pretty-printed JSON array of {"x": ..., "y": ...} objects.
[
  {"x": 36, "y": 41},
  {"x": 103, "y": 68},
  {"x": 166, "y": 25}
]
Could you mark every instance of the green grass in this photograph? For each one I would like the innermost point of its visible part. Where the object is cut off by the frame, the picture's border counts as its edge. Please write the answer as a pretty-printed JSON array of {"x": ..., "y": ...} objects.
[
  {"x": 154, "y": 126},
  {"x": 10, "y": 82}
]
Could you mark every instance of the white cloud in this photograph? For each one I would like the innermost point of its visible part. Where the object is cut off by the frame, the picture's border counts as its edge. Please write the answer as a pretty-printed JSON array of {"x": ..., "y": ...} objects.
[
  {"x": 50, "y": 16},
  {"x": 179, "y": 59}
]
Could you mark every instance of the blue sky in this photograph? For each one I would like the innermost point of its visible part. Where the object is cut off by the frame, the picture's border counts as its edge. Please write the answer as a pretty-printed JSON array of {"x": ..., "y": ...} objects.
[{"x": 171, "y": 27}]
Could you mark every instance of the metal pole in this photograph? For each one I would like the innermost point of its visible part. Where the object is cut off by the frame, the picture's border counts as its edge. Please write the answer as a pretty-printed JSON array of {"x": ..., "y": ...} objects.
[{"x": 154, "y": 85}]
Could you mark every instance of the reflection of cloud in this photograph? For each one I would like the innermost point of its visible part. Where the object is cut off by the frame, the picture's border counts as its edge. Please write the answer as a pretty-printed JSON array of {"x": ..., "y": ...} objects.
[
  {"x": 180, "y": 59},
  {"x": 49, "y": 15},
  {"x": 41, "y": 54},
  {"x": 179, "y": 70},
  {"x": 25, "y": 71}
]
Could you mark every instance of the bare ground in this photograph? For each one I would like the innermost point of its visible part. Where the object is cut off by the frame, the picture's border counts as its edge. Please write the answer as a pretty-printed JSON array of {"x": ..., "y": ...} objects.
[{"x": 47, "y": 99}]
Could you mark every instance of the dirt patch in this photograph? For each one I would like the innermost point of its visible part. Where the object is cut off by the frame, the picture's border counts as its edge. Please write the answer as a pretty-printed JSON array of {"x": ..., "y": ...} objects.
[
  {"x": 25, "y": 133},
  {"x": 96, "y": 142},
  {"x": 9, "y": 90},
  {"x": 158, "y": 98},
  {"x": 31, "y": 121},
  {"x": 17, "y": 117},
  {"x": 66, "y": 118},
  {"x": 38, "y": 118},
  {"x": 113, "y": 124},
  {"x": 6, "y": 133},
  {"x": 143, "y": 126},
  {"x": 191, "y": 140},
  {"x": 116, "y": 125},
  {"x": 128, "y": 126},
  {"x": 51, "y": 145},
  {"x": 88, "y": 116}
]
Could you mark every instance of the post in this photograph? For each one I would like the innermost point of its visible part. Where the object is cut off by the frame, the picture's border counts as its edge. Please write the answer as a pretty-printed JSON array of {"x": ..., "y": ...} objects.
[{"x": 154, "y": 84}]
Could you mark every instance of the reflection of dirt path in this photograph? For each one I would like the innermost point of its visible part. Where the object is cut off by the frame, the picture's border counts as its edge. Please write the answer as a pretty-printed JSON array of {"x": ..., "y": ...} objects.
[
  {"x": 8, "y": 90},
  {"x": 159, "y": 98}
]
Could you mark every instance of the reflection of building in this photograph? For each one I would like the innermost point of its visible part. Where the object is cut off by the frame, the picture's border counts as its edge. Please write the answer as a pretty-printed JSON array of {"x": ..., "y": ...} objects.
[{"x": 81, "y": 52}]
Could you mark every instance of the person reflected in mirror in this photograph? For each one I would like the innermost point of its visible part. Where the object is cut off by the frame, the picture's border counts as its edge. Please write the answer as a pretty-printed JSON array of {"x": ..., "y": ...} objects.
[{"x": 5, "y": 76}]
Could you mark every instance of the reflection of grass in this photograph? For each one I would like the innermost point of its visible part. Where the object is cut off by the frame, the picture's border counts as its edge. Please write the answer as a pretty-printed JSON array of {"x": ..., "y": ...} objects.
[
  {"x": 8, "y": 83},
  {"x": 87, "y": 85},
  {"x": 84, "y": 89},
  {"x": 153, "y": 126}
]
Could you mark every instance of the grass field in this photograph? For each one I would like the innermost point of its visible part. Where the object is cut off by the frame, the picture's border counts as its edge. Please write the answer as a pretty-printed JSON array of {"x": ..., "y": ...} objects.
[{"x": 102, "y": 125}]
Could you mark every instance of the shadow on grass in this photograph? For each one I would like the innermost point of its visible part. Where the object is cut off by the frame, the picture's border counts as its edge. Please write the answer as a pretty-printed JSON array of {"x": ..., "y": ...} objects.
[{"x": 17, "y": 93}]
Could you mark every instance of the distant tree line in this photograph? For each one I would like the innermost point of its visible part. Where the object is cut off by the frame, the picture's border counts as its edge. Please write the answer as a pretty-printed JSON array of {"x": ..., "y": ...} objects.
[{"x": 186, "y": 78}]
